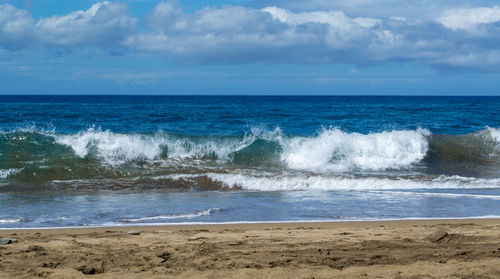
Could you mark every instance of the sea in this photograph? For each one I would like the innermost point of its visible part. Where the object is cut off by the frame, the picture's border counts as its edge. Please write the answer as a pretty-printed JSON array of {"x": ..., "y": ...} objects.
[{"x": 89, "y": 161}]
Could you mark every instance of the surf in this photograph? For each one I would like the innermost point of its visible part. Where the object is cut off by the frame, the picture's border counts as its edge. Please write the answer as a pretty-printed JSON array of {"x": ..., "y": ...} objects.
[{"x": 37, "y": 156}]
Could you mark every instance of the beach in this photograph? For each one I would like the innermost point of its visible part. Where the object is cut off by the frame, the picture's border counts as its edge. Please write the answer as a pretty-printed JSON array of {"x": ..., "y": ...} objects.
[{"x": 467, "y": 248}]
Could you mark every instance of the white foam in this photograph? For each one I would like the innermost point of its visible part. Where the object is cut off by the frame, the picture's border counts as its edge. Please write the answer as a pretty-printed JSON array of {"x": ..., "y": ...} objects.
[
  {"x": 444, "y": 195},
  {"x": 495, "y": 134},
  {"x": 11, "y": 221},
  {"x": 117, "y": 149},
  {"x": 176, "y": 216},
  {"x": 7, "y": 172},
  {"x": 331, "y": 150},
  {"x": 111, "y": 147},
  {"x": 30, "y": 129},
  {"x": 328, "y": 183},
  {"x": 51, "y": 219},
  {"x": 334, "y": 150}
]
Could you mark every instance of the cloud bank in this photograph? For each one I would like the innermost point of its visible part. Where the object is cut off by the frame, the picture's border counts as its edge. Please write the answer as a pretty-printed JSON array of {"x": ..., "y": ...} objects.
[
  {"x": 104, "y": 24},
  {"x": 16, "y": 27},
  {"x": 454, "y": 36}
]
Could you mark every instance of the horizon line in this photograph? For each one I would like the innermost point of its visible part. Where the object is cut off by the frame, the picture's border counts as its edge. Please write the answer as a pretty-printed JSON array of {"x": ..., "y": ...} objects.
[{"x": 248, "y": 95}]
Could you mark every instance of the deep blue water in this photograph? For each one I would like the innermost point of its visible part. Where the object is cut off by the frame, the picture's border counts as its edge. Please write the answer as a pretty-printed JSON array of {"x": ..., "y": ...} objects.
[
  {"x": 118, "y": 160},
  {"x": 233, "y": 115}
]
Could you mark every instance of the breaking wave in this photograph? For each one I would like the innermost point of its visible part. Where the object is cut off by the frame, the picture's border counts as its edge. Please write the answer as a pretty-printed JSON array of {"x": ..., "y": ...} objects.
[
  {"x": 31, "y": 155},
  {"x": 195, "y": 214},
  {"x": 339, "y": 151},
  {"x": 330, "y": 182},
  {"x": 10, "y": 221},
  {"x": 7, "y": 172}
]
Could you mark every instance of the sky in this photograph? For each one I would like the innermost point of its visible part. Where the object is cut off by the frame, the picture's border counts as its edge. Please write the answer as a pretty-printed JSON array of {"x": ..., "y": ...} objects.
[{"x": 272, "y": 47}]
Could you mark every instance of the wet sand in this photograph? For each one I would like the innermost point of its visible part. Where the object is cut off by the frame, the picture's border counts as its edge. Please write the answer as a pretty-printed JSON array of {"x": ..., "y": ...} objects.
[{"x": 386, "y": 249}]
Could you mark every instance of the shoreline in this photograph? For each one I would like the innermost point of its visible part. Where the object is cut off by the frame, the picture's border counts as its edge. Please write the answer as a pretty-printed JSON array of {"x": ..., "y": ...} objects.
[
  {"x": 439, "y": 248},
  {"x": 262, "y": 224}
]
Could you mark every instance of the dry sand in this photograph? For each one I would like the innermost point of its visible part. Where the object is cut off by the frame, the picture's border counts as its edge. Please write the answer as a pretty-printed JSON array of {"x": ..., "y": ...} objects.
[{"x": 392, "y": 249}]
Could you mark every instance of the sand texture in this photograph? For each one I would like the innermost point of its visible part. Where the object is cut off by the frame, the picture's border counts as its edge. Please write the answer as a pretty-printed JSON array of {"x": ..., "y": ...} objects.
[{"x": 398, "y": 249}]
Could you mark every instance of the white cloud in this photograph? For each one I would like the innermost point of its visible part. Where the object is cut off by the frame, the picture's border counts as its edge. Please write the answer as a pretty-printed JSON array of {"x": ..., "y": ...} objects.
[
  {"x": 469, "y": 19},
  {"x": 410, "y": 9},
  {"x": 165, "y": 13},
  {"x": 336, "y": 19},
  {"x": 135, "y": 77},
  {"x": 237, "y": 33},
  {"x": 102, "y": 24},
  {"x": 398, "y": 18},
  {"x": 240, "y": 35},
  {"x": 16, "y": 27},
  {"x": 343, "y": 31},
  {"x": 275, "y": 35},
  {"x": 478, "y": 60}
]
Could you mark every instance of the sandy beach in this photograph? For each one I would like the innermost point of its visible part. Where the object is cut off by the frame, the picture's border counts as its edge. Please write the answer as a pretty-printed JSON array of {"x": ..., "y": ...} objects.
[{"x": 381, "y": 249}]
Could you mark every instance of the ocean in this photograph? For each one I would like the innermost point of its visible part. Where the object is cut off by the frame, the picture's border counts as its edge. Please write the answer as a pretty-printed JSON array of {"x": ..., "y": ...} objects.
[{"x": 73, "y": 161}]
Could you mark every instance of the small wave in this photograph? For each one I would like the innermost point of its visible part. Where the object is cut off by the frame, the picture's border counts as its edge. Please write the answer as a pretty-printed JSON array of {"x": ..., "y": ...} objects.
[
  {"x": 11, "y": 221},
  {"x": 6, "y": 173},
  {"x": 51, "y": 219},
  {"x": 287, "y": 181},
  {"x": 329, "y": 183},
  {"x": 444, "y": 195},
  {"x": 175, "y": 216}
]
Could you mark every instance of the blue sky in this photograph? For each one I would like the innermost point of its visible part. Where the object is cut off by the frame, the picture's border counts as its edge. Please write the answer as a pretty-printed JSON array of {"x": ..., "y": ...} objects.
[{"x": 421, "y": 47}]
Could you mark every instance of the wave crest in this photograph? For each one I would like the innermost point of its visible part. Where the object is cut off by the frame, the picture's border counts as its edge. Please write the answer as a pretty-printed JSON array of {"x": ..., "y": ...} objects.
[
  {"x": 329, "y": 183},
  {"x": 115, "y": 149},
  {"x": 332, "y": 149},
  {"x": 192, "y": 215},
  {"x": 495, "y": 135},
  {"x": 335, "y": 150},
  {"x": 38, "y": 156}
]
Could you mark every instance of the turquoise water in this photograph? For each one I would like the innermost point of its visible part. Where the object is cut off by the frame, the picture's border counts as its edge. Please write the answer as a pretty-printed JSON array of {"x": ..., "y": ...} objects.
[{"x": 125, "y": 160}]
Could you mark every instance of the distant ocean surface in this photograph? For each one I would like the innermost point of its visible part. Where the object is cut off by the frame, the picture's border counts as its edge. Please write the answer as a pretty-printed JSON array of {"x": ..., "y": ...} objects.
[{"x": 133, "y": 160}]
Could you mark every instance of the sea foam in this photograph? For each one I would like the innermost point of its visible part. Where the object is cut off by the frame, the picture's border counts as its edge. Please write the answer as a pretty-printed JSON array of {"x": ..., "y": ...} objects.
[
  {"x": 495, "y": 135},
  {"x": 6, "y": 173},
  {"x": 336, "y": 150},
  {"x": 115, "y": 149},
  {"x": 331, "y": 150},
  {"x": 303, "y": 182},
  {"x": 175, "y": 216},
  {"x": 10, "y": 221}
]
